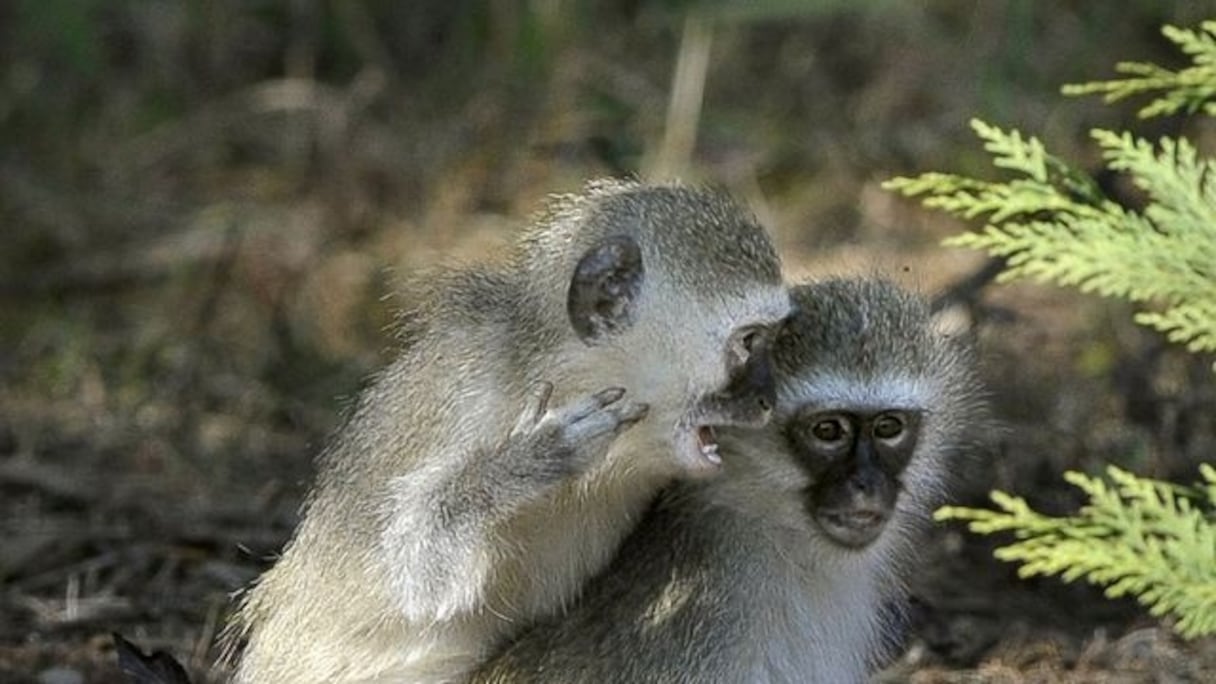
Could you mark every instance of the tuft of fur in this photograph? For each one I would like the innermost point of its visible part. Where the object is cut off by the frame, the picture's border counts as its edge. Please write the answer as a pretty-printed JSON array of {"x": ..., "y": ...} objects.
[
  {"x": 424, "y": 544},
  {"x": 729, "y": 580}
]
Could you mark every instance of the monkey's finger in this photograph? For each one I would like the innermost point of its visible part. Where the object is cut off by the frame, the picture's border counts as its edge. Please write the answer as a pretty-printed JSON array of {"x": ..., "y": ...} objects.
[
  {"x": 535, "y": 406},
  {"x": 595, "y": 426},
  {"x": 605, "y": 422},
  {"x": 608, "y": 396},
  {"x": 580, "y": 409},
  {"x": 629, "y": 415}
]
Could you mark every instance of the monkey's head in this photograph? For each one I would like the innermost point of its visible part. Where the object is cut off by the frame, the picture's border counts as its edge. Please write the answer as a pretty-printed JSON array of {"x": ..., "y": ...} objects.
[
  {"x": 874, "y": 401},
  {"x": 674, "y": 292}
]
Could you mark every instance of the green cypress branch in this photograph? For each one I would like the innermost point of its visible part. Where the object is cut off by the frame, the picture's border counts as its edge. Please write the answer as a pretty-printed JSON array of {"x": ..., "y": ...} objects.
[
  {"x": 1050, "y": 221},
  {"x": 1135, "y": 536}
]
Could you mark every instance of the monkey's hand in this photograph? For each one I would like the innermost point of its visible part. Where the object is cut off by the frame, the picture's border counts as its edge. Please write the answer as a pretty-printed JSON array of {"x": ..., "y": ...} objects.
[
  {"x": 549, "y": 445},
  {"x": 442, "y": 548}
]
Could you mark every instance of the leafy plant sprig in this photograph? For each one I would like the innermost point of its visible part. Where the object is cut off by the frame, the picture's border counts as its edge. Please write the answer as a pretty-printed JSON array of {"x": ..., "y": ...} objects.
[
  {"x": 1052, "y": 223},
  {"x": 1190, "y": 90},
  {"x": 1149, "y": 539}
]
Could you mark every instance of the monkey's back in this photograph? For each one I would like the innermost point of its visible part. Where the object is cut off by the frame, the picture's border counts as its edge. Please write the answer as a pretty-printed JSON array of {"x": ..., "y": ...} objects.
[
  {"x": 704, "y": 592},
  {"x": 655, "y": 602},
  {"x": 332, "y": 559}
]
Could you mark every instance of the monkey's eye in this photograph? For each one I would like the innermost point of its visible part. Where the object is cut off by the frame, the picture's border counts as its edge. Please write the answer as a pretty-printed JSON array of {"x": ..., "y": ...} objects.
[
  {"x": 828, "y": 430},
  {"x": 888, "y": 427}
]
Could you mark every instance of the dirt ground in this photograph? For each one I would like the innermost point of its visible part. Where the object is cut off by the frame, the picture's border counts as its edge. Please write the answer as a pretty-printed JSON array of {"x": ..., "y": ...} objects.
[{"x": 204, "y": 223}]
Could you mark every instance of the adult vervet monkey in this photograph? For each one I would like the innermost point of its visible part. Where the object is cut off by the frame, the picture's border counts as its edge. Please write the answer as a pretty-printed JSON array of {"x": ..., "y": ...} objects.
[
  {"x": 784, "y": 568},
  {"x": 496, "y": 464}
]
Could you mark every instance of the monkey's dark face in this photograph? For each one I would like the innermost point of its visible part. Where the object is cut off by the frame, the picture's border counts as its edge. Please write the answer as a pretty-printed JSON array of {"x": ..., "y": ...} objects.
[
  {"x": 854, "y": 457},
  {"x": 750, "y": 392}
]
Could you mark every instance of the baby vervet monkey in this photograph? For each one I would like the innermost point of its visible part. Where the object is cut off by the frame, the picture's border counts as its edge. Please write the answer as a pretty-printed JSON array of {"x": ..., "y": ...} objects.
[
  {"x": 498, "y": 462},
  {"x": 784, "y": 568}
]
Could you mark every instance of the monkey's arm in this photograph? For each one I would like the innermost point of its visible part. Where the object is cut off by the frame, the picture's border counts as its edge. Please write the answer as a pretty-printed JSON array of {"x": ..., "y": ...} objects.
[
  {"x": 446, "y": 535},
  {"x": 543, "y": 449}
]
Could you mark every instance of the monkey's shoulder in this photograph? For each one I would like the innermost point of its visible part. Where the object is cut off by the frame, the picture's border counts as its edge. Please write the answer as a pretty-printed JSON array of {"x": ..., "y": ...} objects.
[
  {"x": 461, "y": 324},
  {"x": 453, "y": 299}
]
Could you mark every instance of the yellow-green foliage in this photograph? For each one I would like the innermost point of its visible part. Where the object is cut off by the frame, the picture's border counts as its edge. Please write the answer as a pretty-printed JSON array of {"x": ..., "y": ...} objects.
[
  {"x": 1051, "y": 222},
  {"x": 1189, "y": 90},
  {"x": 1153, "y": 540}
]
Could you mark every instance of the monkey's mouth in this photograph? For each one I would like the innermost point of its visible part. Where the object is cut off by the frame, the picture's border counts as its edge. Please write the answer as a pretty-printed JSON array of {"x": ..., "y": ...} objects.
[
  {"x": 697, "y": 450},
  {"x": 852, "y": 527},
  {"x": 855, "y": 518},
  {"x": 707, "y": 444}
]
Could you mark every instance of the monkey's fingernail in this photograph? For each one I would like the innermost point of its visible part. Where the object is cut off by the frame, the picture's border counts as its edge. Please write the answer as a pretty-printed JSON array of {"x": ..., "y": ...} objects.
[{"x": 610, "y": 395}]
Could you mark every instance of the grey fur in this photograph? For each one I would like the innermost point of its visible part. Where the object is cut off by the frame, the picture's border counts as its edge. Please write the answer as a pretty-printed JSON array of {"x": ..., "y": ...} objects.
[
  {"x": 455, "y": 506},
  {"x": 729, "y": 580}
]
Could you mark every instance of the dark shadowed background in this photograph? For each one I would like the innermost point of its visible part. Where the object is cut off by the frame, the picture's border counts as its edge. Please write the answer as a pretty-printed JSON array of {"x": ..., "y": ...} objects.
[{"x": 205, "y": 207}]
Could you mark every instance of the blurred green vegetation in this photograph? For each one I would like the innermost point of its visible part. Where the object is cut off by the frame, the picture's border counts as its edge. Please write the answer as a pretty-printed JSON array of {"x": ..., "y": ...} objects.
[{"x": 204, "y": 202}]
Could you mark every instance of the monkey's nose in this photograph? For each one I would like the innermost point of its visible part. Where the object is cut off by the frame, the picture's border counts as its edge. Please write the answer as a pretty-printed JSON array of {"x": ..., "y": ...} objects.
[{"x": 865, "y": 483}]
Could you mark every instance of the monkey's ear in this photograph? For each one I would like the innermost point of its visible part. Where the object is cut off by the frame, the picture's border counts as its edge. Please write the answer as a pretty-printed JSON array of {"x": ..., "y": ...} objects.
[{"x": 605, "y": 288}]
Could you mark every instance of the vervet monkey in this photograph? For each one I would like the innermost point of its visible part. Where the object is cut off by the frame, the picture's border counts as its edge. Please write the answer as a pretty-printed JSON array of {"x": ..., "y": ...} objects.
[
  {"x": 785, "y": 567},
  {"x": 492, "y": 468}
]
